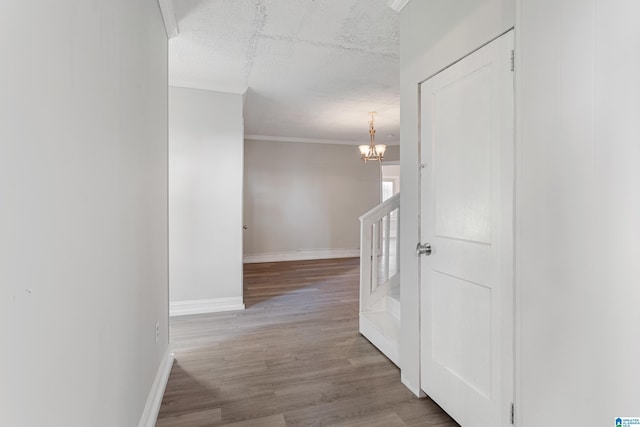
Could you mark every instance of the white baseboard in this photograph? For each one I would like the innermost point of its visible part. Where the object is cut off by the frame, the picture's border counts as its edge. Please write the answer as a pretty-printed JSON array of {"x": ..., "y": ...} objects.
[
  {"x": 185, "y": 308},
  {"x": 379, "y": 329},
  {"x": 154, "y": 400},
  {"x": 414, "y": 389},
  {"x": 301, "y": 255}
]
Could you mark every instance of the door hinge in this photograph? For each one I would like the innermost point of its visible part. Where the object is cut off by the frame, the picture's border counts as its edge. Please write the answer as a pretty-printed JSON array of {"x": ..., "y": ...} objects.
[
  {"x": 513, "y": 60},
  {"x": 513, "y": 410}
]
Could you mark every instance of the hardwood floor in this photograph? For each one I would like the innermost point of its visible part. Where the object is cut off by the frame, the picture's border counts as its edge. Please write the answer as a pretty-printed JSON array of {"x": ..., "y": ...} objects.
[{"x": 294, "y": 357}]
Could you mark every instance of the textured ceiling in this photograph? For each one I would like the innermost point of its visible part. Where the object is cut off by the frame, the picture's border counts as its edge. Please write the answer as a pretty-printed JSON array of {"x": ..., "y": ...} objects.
[{"x": 311, "y": 69}]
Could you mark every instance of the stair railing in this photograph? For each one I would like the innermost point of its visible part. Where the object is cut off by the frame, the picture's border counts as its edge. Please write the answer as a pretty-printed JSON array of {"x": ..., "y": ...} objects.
[{"x": 379, "y": 252}]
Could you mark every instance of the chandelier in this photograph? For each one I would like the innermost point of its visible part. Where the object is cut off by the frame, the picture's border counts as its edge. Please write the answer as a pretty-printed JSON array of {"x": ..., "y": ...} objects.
[{"x": 372, "y": 151}]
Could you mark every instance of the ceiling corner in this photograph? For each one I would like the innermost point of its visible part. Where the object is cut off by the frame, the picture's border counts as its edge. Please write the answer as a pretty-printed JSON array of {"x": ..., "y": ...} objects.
[
  {"x": 397, "y": 5},
  {"x": 169, "y": 18}
]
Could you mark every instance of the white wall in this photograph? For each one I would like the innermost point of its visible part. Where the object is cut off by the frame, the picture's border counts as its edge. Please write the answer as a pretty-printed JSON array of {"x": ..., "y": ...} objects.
[
  {"x": 303, "y": 201},
  {"x": 577, "y": 149},
  {"x": 433, "y": 34},
  {"x": 83, "y": 202},
  {"x": 578, "y": 211},
  {"x": 205, "y": 196}
]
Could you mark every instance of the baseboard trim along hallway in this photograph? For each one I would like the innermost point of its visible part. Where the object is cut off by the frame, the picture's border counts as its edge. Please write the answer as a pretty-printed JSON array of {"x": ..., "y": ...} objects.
[
  {"x": 185, "y": 308},
  {"x": 154, "y": 400},
  {"x": 301, "y": 255}
]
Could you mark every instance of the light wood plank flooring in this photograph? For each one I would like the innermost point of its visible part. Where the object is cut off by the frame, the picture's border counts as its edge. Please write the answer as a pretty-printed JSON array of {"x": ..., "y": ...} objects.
[{"x": 294, "y": 357}]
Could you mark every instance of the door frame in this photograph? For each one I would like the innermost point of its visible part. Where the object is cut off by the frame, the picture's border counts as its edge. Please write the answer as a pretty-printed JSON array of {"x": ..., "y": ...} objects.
[{"x": 510, "y": 381}]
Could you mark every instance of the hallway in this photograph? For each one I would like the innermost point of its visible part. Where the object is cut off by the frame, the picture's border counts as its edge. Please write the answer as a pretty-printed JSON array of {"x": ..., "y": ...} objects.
[{"x": 294, "y": 357}]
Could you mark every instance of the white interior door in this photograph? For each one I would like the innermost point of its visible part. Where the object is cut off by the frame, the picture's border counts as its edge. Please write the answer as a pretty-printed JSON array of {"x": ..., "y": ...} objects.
[{"x": 467, "y": 216}]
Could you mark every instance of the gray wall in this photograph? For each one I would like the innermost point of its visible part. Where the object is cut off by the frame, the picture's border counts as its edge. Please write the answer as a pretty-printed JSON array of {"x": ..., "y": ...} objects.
[
  {"x": 83, "y": 210},
  {"x": 392, "y": 154},
  {"x": 205, "y": 195},
  {"x": 305, "y": 197}
]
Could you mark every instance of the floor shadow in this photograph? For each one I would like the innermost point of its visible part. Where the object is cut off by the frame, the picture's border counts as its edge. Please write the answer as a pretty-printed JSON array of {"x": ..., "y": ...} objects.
[
  {"x": 186, "y": 394},
  {"x": 293, "y": 357}
]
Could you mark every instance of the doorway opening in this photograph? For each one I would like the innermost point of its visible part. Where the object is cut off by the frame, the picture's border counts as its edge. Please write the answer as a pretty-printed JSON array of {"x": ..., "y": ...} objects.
[{"x": 390, "y": 180}]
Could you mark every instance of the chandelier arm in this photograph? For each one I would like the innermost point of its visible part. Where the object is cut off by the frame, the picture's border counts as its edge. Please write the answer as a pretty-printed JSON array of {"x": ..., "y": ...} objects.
[{"x": 372, "y": 153}]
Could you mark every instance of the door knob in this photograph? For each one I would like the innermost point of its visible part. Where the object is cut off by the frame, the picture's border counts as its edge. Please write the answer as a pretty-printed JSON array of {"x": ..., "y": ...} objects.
[{"x": 423, "y": 249}]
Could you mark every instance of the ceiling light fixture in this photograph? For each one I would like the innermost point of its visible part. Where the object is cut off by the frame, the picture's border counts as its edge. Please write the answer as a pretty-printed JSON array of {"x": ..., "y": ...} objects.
[{"x": 372, "y": 151}]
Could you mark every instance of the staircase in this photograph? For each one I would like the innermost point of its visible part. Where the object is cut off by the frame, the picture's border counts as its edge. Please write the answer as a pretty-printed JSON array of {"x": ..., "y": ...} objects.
[{"x": 380, "y": 277}]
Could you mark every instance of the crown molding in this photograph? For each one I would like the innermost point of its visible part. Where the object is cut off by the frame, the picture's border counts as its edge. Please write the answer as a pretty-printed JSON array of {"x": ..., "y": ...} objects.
[
  {"x": 397, "y": 5},
  {"x": 169, "y": 18},
  {"x": 311, "y": 140},
  {"x": 303, "y": 140}
]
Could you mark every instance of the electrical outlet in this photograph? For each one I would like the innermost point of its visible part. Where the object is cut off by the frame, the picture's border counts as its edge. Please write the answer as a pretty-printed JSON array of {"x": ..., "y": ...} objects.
[{"x": 157, "y": 331}]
